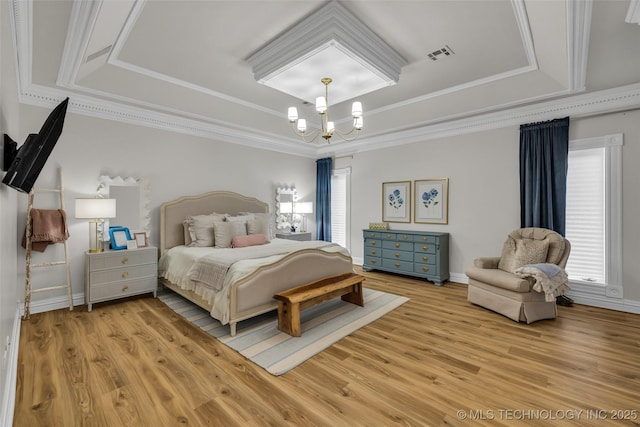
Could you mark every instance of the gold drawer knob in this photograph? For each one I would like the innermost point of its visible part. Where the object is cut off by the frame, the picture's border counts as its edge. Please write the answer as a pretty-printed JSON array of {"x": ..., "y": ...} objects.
[
  {"x": 397, "y": 265},
  {"x": 425, "y": 269},
  {"x": 425, "y": 258},
  {"x": 424, "y": 238},
  {"x": 397, "y": 245},
  {"x": 373, "y": 252},
  {"x": 125, "y": 260},
  {"x": 373, "y": 243},
  {"x": 125, "y": 288},
  {"x": 424, "y": 248},
  {"x": 397, "y": 255},
  {"x": 372, "y": 234},
  {"x": 389, "y": 236},
  {"x": 405, "y": 237},
  {"x": 373, "y": 261},
  {"x": 125, "y": 274}
]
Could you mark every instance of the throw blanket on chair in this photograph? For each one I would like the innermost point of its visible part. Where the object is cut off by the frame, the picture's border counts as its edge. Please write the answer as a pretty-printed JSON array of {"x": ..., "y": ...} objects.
[
  {"x": 47, "y": 227},
  {"x": 549, "y": 278}
]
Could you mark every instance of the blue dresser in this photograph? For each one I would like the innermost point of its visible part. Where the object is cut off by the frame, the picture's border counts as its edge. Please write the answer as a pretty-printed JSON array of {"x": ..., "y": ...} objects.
[{"x": 414, "y": 253}]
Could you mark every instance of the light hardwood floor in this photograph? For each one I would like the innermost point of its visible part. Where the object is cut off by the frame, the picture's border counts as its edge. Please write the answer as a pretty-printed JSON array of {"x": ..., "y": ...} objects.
[{"x": 436, "y": 360}]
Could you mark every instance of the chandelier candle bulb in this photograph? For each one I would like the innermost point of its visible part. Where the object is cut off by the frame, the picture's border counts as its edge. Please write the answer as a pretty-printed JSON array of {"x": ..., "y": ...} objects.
[
  {"x": 302, "y": 125},
  {"x": 330, "y": 127},
  {"x": 321, "y": 104},
  {"x": 293, "y": 114},
  {"x": 356, "y": 109}
]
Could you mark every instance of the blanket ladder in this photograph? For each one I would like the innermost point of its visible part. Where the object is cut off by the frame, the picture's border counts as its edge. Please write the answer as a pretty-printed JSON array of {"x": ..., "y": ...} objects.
[{"x": 29, "y": 244}]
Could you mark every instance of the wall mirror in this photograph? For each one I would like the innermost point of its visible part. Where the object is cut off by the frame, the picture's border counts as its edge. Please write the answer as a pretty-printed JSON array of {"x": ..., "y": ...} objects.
[
  {"x": 132, "y": 202},
  {"x": 285, "y": 198}
]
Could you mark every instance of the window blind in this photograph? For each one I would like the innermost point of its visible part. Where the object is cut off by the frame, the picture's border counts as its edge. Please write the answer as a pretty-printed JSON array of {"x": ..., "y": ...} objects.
[
  {"x": 585, "y": 215},
  {"x": 339, "y": 209}
]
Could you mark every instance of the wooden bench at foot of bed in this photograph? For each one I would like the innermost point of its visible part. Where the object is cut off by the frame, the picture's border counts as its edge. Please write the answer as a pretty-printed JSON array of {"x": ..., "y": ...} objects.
[{"x": 292, "y": 301}]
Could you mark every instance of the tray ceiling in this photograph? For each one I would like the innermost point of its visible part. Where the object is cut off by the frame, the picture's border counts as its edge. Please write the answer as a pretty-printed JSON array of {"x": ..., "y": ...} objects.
[{"x": 183, "y": 65}]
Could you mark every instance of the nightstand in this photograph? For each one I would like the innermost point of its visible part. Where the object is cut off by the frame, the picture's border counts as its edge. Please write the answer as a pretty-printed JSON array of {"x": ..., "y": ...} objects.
[
  {"x": 294, "y": 236},
  {"x": 117, "y": 274}
]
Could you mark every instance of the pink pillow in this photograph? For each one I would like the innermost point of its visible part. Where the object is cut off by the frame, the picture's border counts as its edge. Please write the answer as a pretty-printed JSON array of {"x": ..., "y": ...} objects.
[{"x": 249, "y": 240}]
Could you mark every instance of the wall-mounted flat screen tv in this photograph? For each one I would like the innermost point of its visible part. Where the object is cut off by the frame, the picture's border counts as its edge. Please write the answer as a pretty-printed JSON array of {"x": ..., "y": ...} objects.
[{"x": 33, "y": 154}]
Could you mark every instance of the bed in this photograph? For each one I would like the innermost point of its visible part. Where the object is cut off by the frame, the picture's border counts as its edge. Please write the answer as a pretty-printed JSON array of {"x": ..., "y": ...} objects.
[{"x": 250, "y": 284}]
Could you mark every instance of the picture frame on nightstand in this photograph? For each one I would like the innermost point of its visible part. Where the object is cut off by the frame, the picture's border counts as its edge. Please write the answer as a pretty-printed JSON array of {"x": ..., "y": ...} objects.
[
  {"x": 141, "y": 239},
  {"x": 119, "y": 237}
]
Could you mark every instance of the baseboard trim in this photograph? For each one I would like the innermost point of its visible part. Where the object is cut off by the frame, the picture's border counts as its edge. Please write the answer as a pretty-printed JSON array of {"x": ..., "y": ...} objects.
[
  {"x": 9, "y": 400},
  {"x": 54, "y": 303}
]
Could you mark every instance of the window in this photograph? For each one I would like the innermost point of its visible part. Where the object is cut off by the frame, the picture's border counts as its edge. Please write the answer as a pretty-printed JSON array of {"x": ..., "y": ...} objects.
[
  {"x": 340, "y": 206},
  {"x": 593, "y": 226}
]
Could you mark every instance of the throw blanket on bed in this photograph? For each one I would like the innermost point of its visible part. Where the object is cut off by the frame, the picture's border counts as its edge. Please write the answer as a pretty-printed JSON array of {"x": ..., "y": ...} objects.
[
  {"x": 212, "y": 269},
  {"x": 549, "y": 278},
  {"x": 47, "y": 227}
]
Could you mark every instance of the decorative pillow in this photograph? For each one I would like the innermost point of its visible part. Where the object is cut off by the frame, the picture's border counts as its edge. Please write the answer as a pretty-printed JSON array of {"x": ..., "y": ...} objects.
[
  {"x": 187, "y": 235},
  {"x": 201, "y": 229},
  {"x": 517, "y": 253},
  {"x": 239, "y": 218},
  {"x": 225, "y": 231},
  {"x": 258, "y": 226},
  {"x": 250, "y": 240},
  {"x": 268, "y": 218}
]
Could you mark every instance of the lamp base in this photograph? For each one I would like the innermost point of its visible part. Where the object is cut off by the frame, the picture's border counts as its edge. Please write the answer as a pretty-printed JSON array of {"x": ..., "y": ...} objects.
[{"x": 96, "y": 250}]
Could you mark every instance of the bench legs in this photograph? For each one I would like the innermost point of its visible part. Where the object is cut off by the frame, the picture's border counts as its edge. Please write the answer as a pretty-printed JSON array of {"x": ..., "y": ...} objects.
[{"x": 289, "y": 318}]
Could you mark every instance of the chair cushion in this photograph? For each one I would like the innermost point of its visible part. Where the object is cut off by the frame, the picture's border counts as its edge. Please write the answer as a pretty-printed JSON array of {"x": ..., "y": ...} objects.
[
  {"x": 519, "y": 252},
  {"x": 556, "y": 241},
  {"x": 499, "y": 278}
]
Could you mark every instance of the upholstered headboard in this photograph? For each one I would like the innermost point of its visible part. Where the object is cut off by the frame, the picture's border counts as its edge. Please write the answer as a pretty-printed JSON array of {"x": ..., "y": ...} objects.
[{"x": 173, "y": 213}]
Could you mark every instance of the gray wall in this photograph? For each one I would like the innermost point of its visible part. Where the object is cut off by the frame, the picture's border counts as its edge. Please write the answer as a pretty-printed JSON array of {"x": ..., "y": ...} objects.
[{"x": 8, "y": 202}]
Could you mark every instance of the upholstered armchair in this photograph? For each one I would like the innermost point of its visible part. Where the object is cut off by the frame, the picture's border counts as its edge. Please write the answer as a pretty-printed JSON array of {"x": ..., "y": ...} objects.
[{"x": 497, "y": 283}]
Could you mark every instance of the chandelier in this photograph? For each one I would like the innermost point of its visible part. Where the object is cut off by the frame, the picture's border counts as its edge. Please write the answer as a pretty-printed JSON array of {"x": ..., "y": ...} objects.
[{"x": 327, "y": 127}]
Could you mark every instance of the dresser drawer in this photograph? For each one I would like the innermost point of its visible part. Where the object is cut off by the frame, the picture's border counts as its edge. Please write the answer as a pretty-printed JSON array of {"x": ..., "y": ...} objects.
[
  {"x": 373, "y": 251},
  {"x": 424, "y": 239},
  {"x": 425, "y": 248},
  {"x": 425, "y": 258},
  {"x": 373, "y": 261},
  {"x": 372, "y": 235},
  {"x": 400, "y": 246},
  {"x": 388, "y": 236},
  {"x": 122, "y": 259},
  {"x": 373, "y": 243},
  {"x": 124, "y": 273},
  {"x": 400, "y": 255},
  {"x": 400, "y": 266},
  {"x": 123, "y": 288},
  {"x": 426, "y": 269}
]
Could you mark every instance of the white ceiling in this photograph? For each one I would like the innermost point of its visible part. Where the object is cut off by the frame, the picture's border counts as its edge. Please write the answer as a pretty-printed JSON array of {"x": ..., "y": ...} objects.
[{"x": 182, "y": 65}]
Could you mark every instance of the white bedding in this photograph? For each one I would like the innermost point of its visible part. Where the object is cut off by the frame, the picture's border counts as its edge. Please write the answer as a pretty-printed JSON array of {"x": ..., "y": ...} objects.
[{"x": 179, "y": 264}]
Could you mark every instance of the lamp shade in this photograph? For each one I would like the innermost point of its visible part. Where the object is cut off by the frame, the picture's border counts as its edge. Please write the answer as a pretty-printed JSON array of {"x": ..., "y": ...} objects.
[
  {"x": 95, "y": 208},
  {"x": 286, "y": 207},
  {"x": 303, "y": 207}
]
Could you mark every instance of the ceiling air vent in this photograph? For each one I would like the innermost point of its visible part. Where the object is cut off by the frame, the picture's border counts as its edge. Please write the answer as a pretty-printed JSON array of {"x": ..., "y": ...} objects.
[
  {"x": 441, "y": 53},
  {"x": 99, "y": 53}
]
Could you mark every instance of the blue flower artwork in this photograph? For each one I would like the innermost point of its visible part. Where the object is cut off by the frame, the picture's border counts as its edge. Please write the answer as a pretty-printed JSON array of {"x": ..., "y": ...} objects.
[
  {"x": 395, "y": 199},
  {"x": 429, "y": 198}
]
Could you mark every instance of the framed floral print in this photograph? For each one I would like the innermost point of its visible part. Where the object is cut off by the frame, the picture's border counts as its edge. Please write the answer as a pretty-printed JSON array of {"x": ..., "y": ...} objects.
[
  {"x": 431, "y": 204},
  {"x": 396, "y": 201}
]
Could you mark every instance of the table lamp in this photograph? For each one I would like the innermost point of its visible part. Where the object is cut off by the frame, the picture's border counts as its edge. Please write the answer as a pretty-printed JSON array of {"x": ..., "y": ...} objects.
[
  {"x": 303, "y": 208},
  {"x": 97, "y": 210}
]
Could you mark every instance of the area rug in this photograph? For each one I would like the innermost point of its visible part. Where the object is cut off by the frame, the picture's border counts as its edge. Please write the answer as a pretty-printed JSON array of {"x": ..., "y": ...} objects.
[{"x": 259, "y": 340}]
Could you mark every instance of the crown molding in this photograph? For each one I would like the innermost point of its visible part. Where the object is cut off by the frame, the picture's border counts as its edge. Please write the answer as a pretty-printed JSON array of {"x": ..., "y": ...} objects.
[
  {"x": 605, "y": 101},
  {"x": 616, "y": 99}
]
